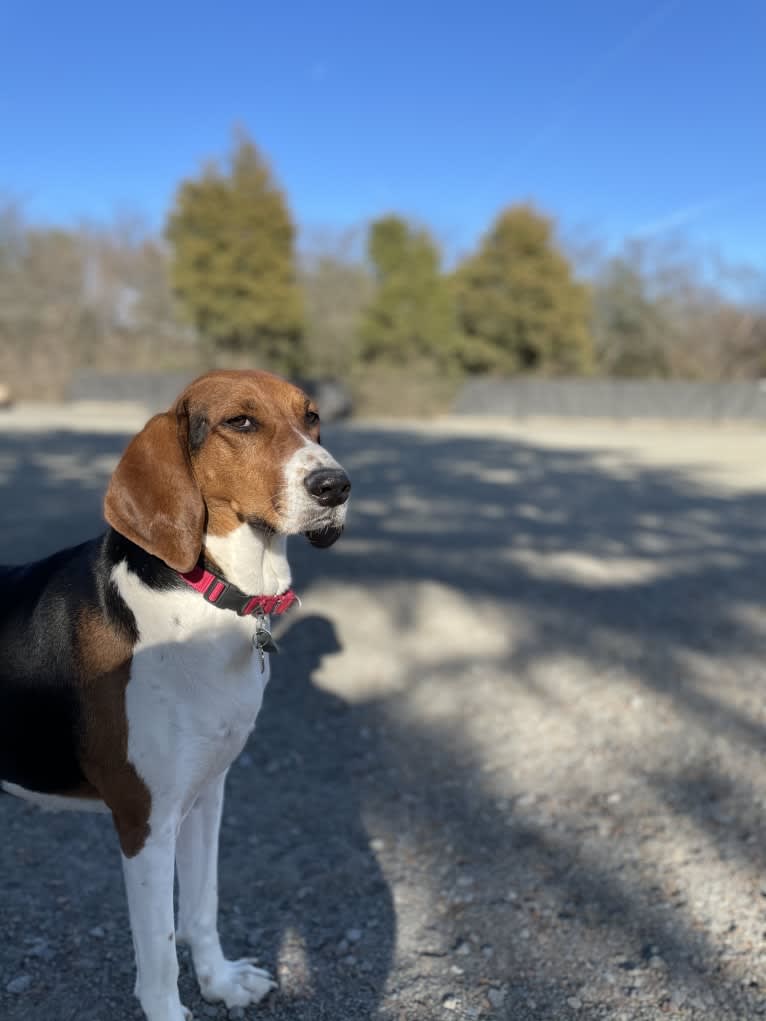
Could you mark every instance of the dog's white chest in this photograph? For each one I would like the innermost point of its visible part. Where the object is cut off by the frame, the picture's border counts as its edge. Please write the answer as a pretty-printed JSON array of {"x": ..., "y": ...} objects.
[
  {"x": 195, "y": 690},
  {"x": 191, "y": 707}
]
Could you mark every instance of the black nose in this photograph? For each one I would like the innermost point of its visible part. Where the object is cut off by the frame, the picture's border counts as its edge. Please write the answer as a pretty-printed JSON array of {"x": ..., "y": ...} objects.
[{"x": 329, "y": 486}]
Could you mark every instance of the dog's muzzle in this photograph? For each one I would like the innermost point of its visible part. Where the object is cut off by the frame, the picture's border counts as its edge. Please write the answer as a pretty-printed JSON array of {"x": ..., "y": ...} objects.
[{"x": 328, "y": 487}]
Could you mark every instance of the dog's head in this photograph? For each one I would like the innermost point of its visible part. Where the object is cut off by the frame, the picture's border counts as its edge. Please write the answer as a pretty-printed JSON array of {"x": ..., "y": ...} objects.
[{"x": 236, "y": 447}]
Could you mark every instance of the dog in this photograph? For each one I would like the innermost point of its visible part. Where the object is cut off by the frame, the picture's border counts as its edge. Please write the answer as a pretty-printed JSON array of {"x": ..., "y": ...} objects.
[{"x": 133, "y": 666}]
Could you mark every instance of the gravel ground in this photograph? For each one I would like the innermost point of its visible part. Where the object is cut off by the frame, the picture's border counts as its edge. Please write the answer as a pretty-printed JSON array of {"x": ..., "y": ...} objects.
[{"x": 510, "y": 763}]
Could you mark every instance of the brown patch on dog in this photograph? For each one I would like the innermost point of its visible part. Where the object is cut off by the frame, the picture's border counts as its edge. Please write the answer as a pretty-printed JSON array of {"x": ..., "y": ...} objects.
[
  {"x": 240, "y": 474},
  {"x": 105, "y": 658}
]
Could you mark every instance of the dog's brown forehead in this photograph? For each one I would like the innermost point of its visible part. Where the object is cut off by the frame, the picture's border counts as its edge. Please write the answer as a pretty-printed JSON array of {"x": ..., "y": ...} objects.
[{"x": 229, "y": 393}]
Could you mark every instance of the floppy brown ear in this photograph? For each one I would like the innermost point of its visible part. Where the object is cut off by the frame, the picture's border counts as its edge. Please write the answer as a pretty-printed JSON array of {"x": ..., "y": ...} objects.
[{"x": 153, "y": 497}]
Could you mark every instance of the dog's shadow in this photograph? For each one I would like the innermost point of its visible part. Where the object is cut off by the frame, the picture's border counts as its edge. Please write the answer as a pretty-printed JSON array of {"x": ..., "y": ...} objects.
[{"x": 300, "y": 883}]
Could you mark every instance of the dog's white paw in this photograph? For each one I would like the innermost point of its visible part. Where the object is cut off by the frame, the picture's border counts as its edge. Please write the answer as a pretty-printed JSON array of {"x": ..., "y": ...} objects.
[
  {"x": 166, "y": 1010},
  {"x": 237, "y": 983}
]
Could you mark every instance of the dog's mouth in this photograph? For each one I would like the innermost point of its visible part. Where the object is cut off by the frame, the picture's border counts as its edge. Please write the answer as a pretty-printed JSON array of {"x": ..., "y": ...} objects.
[
  {"x": 322, "y": 538},
  {"x": 324, "y": 529},
  {"x": 322, "y": 533},
  {"x": 259, "y": 524}
]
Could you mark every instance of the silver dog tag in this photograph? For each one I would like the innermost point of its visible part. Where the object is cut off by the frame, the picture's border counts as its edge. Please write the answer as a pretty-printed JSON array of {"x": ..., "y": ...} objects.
[{"x": 263, "y": 642}]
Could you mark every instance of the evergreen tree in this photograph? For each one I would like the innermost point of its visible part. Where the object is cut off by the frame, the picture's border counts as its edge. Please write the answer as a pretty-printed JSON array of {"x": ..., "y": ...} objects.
[
  {"x": 518, "y": 305},
  {"x": 233, "y": 262},
  {"x": 411, "y": 317}
]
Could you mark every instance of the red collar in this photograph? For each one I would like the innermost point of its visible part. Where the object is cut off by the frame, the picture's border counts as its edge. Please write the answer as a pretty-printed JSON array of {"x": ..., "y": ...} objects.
[{"x": 228, "y": 597}]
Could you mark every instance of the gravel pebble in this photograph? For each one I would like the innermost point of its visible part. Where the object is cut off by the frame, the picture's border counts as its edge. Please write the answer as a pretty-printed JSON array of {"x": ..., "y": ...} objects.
[
  {"x": 496, "y": 997},
  {"x": 41, "y": 949},
  {"x": 20, "y": 984}
]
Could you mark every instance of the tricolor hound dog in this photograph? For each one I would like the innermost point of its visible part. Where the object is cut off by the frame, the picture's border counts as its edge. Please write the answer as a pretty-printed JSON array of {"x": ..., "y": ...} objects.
[{"x": 132, "y": 667}]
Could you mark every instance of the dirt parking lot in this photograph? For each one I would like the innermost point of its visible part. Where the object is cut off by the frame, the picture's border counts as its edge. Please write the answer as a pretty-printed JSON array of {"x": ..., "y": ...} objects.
[{"x": 511, "y": 762}]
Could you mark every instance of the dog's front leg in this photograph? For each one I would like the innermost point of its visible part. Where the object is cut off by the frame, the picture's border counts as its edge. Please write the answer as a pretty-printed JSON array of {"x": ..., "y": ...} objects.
[
  {"x": 237, "y": 983},
  {"x": 149, "y": 884}
]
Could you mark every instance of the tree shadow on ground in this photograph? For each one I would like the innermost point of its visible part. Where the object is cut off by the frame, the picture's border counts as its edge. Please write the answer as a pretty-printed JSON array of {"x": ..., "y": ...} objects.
[
  {"x": 53, "y": 486},
  {"x": 544, "y": 911}
]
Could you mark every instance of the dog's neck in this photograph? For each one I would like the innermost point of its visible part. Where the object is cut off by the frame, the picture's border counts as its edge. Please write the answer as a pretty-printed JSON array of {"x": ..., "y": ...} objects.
[{"x": 251, "y": 558}]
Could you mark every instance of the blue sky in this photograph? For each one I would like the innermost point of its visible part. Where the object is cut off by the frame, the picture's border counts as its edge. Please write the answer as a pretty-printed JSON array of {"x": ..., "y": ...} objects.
[{"x": 618, "y": 117}]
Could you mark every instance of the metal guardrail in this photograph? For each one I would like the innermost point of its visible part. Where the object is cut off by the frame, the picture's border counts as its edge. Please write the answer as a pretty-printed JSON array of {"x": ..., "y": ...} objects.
[{"x": 613, "y": 398}]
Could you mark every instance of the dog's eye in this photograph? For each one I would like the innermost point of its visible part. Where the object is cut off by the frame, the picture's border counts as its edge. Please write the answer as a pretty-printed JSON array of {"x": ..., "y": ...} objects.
[
  {"x": 242, "y": 423},
  {"x": 312, "y": 418}
]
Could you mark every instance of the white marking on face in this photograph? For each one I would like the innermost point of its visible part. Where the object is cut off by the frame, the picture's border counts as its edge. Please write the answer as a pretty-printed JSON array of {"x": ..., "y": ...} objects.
[{"x": 302, "y": 513}]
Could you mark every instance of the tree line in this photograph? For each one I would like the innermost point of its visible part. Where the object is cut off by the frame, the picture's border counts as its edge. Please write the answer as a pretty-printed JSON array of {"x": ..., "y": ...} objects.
[{"x": 226, "y": 285}]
